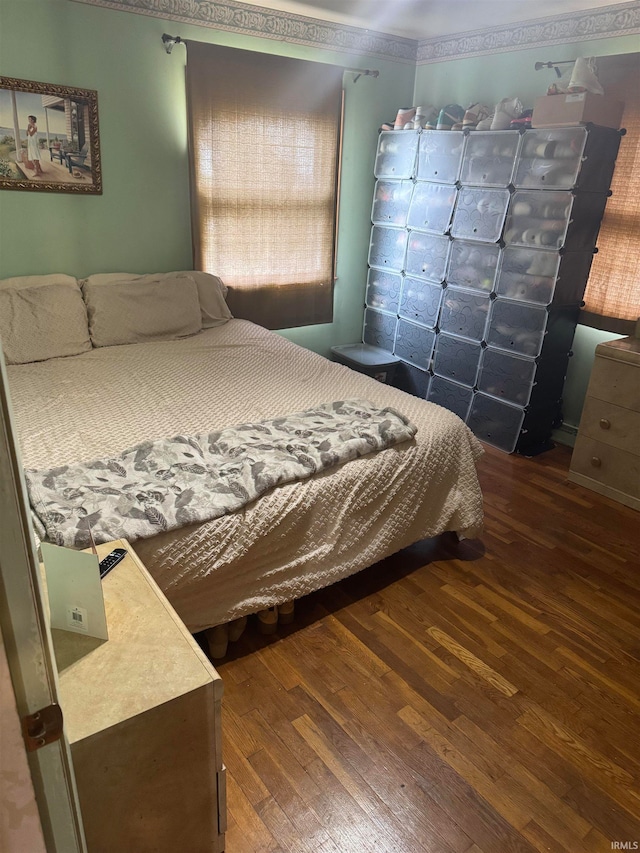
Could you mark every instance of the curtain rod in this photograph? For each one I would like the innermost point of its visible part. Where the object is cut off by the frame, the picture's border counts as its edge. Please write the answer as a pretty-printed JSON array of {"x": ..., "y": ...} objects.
[{"x": 169, "y": 43}]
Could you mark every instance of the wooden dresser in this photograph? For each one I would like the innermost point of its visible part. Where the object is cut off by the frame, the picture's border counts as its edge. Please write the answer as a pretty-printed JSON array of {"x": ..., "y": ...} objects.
[
  {"x": 606, "y": 457},
  {"x": 142, "y": 716}
]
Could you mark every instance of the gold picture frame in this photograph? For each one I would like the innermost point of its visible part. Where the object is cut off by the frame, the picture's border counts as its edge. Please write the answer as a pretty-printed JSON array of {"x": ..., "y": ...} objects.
[{"x": 58, "y": 152}]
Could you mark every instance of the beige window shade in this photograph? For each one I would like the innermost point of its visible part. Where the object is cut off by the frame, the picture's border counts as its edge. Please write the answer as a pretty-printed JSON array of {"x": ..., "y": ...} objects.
[
  {"x": 612, "y": 296},
  {"x": 264, "y": 142}
]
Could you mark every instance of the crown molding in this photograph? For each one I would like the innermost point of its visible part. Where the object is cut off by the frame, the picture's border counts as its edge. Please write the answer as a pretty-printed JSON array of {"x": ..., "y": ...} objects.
[
  {"x": 606, "y": 22},
  {"x": 235, "y": 17}
]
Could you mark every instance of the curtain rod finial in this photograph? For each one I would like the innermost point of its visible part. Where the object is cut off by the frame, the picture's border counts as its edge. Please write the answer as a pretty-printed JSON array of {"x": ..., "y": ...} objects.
[{"x": 170, "y": 41}]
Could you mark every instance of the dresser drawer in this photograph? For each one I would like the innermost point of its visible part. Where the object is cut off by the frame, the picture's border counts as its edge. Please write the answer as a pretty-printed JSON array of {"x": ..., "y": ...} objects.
[
  {"x": 610, "y": 466},
  {"x": 615, "y": 382},
  {"x": 611, "y": 424}
]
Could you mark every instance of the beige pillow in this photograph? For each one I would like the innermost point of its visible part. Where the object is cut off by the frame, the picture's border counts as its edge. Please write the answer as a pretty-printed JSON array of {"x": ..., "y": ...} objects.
[
  {"x": 42, "y": 317},
  {"x": 211, "y": 291},
  {"x": 131, "y": 312}
]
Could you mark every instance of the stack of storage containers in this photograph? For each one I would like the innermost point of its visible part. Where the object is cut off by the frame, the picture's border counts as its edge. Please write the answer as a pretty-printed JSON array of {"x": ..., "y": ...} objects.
[{"x": 480, "y": 251}]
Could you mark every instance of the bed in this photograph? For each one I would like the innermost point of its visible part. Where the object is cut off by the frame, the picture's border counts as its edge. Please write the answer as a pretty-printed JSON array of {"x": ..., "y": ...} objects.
[{"x": 98, "y": 395}]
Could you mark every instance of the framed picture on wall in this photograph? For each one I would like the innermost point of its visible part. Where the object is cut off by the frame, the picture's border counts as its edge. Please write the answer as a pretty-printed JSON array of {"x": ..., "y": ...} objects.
[{"x": 49, "y": 138}]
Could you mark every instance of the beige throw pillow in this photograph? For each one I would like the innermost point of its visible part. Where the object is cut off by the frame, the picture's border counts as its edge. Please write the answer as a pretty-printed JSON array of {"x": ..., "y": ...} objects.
[
  {"x": 211, "y": 291},
  {"x": 137, "y": 311},
  {"x": 42, "y": 317}
]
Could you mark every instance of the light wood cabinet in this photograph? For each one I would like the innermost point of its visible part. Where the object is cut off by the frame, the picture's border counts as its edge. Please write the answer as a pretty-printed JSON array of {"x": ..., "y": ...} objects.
[
  {"x": 606, "y": 457},
  {"x": 142, "y": 716}
]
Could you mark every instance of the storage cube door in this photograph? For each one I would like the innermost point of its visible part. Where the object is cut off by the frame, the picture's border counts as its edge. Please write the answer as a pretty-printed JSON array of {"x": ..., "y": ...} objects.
[
  {"x": 383, "y": 290},
  {"x": 464, "y": 313},
  {"x": 489, "y": 158},
  {"x": 379, "y": 329},
  {"x": 450, "y": 395},
  {"x": 427, "y": 256},
  {"x": 473, "y": 265},
  {"x": 456, "y": 359},
  {"x": 388, "y": 248},
  {"x": 440, "y": 156},
  {"x": 480, "y": 214},
  {"x": 420, "y": 301},
  {"x": 396, "y": 155},
  {"x": 431, "y": 207},
  {"x": 391, "y": 202},
  {"x": 414, "y": 344}
]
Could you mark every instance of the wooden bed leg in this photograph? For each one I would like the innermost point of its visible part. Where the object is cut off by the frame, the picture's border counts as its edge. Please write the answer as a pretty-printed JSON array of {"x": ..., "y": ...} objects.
[
  {"x": 217, "y": 640},
  {"x": 268, "y": 620},
  {"x": 236, "y": 628},
  {"x": 285, "y": 612}
]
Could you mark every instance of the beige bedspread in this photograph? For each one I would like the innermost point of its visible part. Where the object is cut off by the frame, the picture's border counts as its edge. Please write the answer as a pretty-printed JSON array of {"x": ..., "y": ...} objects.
[{"x": 297, "y": 538}]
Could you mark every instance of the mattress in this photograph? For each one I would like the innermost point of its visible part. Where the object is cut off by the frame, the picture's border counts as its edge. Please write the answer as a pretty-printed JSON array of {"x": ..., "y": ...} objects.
[{"x": 300, "y": 536}]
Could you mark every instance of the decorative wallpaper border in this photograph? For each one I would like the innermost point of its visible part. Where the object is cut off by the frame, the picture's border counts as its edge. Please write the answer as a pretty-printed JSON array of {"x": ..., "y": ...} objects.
[
  {"x": 237, "y": 17},
  {"x": 606, "y": 22}
]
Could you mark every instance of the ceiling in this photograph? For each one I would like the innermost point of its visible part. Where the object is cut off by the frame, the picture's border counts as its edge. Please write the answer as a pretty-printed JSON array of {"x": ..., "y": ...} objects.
[{"x": 423, "y": 19}]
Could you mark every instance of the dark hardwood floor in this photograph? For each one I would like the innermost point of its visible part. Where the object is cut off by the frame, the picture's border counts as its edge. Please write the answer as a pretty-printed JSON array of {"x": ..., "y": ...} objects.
[{"x": 457, "y": 697}]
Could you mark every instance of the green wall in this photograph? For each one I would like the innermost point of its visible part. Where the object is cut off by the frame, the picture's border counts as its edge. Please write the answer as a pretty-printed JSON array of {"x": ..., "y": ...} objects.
[
  {"x": 141, "y": 222},
  {"x": 488, "y": 79}
]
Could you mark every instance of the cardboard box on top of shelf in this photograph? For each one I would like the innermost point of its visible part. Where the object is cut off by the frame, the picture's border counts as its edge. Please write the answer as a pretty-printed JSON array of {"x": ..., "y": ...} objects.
[{"x": 576, "y": 108}]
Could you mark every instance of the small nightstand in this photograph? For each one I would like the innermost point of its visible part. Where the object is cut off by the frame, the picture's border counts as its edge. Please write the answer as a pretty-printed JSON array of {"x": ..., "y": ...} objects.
[
  {"x": 606, "y": 457},
  {"x": 142, "y": 716}
]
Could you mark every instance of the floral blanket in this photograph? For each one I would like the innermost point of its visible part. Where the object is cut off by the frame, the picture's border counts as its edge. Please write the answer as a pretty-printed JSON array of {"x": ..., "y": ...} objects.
[{"x": 168, "y": 483}]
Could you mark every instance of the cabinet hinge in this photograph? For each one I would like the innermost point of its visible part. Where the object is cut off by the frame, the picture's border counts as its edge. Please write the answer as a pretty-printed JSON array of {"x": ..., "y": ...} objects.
[{"x": 42, "y": 727}]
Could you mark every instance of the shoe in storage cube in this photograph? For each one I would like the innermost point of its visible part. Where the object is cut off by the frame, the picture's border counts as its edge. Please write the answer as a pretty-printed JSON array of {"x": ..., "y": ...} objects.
[
  {"x": 495, "y": 422},
  {"x": 414, "y": 343},
  {"x": 427, "y": 255},
  {"x": 450, "y": 395},
  {"x": 489, "y": 158},
  {"x": 517, "y": 326},
  {"x": 388, "y": 247},
  {"x": 440, "y": 156},
  {"x": 554, "y": 219},
  {"x": 472, "y": 265},
  {"x": 372, "y": 361},
  {"x": 506, "y": 376},
  {"x": 480, "y": 214},
  {"x": 457, "y": 359},
  {"x": 464, "y": 313},
  {"x": 396, "y": 156},
  {"x": 420, "y": 301},
  {"x": 383, "y": 290},
  {"x": 567, "y": 158},
  {"x": 542, "y": 276},
  {"x": 379, "y": 329},
  {"x": 431, "y": 207},
  {"x": 391, "y": 202}
]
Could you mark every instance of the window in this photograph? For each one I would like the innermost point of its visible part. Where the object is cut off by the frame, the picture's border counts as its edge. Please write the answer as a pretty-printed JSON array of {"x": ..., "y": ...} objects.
[
  {"x": 612, "y": 297},
  {"x": 264, "y": 143}
]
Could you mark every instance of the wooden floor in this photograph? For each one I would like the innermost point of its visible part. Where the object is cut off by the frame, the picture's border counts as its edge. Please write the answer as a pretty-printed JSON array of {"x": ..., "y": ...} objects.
[{"x": 482, "y": 696}]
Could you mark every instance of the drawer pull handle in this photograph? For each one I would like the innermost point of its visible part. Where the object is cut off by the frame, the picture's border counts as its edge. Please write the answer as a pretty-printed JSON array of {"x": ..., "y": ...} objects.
[
  {"x": 596, "y": 461},
  {"x": 604, "y": 423}
]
